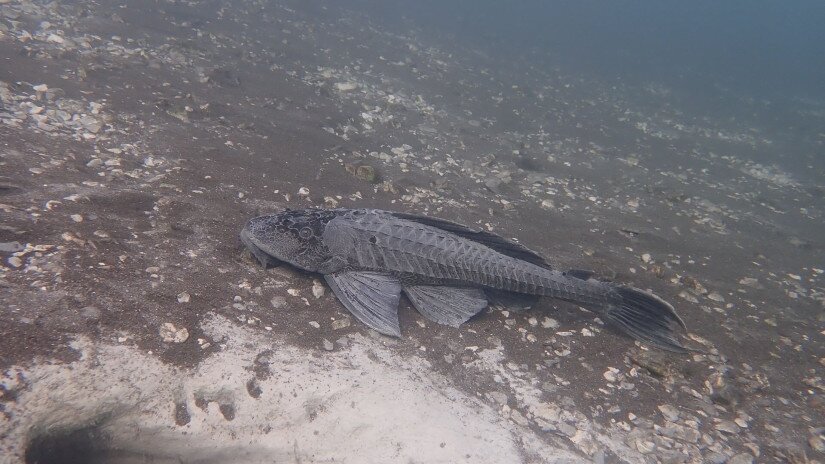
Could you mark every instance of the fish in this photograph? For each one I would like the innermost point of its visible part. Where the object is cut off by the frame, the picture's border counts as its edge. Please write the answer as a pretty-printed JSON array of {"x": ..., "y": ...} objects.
[{"x": 448, "y": 271}]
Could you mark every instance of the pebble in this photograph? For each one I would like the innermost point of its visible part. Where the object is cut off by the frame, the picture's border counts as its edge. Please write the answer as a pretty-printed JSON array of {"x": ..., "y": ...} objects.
[
  {"x": 342, "y": 323},
  {"x": 715, "y": 296},
  {"x": 670, "y": 412},
  {"x": 549, "y": 323},
  {"x": 750, "y": 282},
  {"x": 171, "y": 334},
  {"x": 14, "y": 261},
  {"x": 183, "y": 297},
  {"x": 76, "y": 218},
  {"x": 315, "y": 324},
  {"x": 646, "y": 258},
  {"x": 741, "y": 458},
  {"x": 519, "y": 418},
  {"x": 303, "y": 192},
  {"x": 328, "y": 345},
  {"x": 727, "y": 427},
  {"x": 345, "y": 86},
  {"x": 278, "y": 302},
  {"x": 10, "y": 247},
  {"x": 318, "y": 289}
]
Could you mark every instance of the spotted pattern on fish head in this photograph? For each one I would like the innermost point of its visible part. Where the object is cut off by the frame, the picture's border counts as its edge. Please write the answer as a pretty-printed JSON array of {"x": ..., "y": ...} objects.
[{"x": 294, "y": 236}]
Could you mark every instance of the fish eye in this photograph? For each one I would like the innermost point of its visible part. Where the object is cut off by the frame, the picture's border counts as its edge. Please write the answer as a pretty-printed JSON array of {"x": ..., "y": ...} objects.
[{"x": 305, "y": 232}]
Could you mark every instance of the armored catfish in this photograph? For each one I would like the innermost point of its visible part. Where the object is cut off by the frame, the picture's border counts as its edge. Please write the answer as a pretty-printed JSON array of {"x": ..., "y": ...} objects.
[{"x": 368, "y": 257}]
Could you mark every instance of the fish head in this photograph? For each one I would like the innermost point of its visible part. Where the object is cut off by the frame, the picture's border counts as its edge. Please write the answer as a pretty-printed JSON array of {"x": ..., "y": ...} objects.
[{"x": 292, "y": 236}]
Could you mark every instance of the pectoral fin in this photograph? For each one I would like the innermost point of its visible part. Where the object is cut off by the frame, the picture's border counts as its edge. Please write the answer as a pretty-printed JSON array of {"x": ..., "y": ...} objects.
[
  {"x": 446, "y": 305},
  {"x": 371, "y": 297}
]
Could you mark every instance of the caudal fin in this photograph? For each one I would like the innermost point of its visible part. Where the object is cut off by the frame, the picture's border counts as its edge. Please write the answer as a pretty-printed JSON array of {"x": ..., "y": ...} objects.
[{"x": 647, "y": 318}]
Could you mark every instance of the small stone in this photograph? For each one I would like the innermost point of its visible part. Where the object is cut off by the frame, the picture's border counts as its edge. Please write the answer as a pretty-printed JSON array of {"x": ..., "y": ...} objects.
[
  {"x": 342, "y": 323},
  {"x": 366, "y": 173},
  {"x": 519, "y": 418},
  {"x": 715, "y": 458},
  {"x": 727, "y": 427},
  {"x": 328, "y": 345},
  {"x": 610, "y": 374},
  {"x": 183, "y": 297},
  {"x": 715, "y": 296},
  {"x": 171, "y": 334},
  {"x": 315, "y": 324},
  {"x": 646, "y": 258},
  {"x": 549, "y": 323},
  {"x": 567, "y": 429},
  {"x": 817, "y": 443},
  {"x": 14, "y": 261},
  {"x": 293, "y": 291},
  {"x": 76, "y": 218},
  {"x": 278, "y": 302},
  {"x": 741, "y": 458},
  {"x": 533, "y": 321},
  {"x": 303, "y": 192},
  {"x": 345, "y": 86},
  {"x": 54, "y": 38},
  {"x": 670, "y": 412},
  {"x": 10, "y": 247},
  {"x": 41, "y": 88},
  {"x": 498, "y": 397},
  {"x": 318, "y": 289},
  {"x": 750, "y": 282}
]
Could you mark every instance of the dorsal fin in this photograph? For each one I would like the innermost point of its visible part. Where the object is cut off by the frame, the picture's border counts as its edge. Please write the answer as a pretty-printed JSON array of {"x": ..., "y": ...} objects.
[{"x": 496, "y": 242}]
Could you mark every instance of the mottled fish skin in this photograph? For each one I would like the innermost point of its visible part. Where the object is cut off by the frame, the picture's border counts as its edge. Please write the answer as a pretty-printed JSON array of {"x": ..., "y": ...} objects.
[
  {"x": 370, "y": 256},
  {"x": 377, "y": 240}
]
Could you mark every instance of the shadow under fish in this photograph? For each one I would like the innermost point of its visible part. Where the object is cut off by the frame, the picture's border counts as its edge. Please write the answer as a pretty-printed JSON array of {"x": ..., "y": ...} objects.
[{"x": 447, "y": 271}]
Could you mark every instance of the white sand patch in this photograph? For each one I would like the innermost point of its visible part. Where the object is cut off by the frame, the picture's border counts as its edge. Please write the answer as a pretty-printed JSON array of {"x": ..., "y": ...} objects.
[{"x": 362, "y": 404}]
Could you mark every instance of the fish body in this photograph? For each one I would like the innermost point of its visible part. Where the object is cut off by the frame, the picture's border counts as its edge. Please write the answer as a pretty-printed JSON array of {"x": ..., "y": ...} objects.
[{"x": 369, "y": 257}]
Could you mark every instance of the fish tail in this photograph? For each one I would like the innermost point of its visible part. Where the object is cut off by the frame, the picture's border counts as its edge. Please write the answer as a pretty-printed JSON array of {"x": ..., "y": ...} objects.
[{"x": 645, "y": 317}]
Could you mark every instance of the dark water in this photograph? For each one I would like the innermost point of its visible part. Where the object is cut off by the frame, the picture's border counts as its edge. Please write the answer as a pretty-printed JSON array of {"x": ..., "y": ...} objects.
[{"x": 766, "y": 48}]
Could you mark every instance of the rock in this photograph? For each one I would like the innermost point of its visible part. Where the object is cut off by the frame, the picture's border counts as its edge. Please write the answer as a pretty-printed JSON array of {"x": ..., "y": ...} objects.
[
  {"x": 741, "y": 458},
  {"x": 715, "y": 458},
  {"x": 367, "y": 173},
  {"x": 341, "y": 323},
  {"x": 519, "y": 418},
  {"x": 315, "y": 324},
  {"x": 328, "y": 345},
  {"x": 549, "y": 323},
  {"x": 183, "y": 297},
  {"x": 318, "y": 289},
  {"x": 278, "y": 302},
  {"x": 345, "y": 86},
  {"x": 750, "y": 282},
  {"x": 715, "y": 296},
  {"x": 646, "y": 258},
  {"x": 10, "y": 247},
  {"x": 498, "y": 397},
  {"x": 171, "y": 334},
  {"x": 728, "y": 427},
  {"x": 303, "y": 192},
  {"x": 670, "y": 412},
  {"x": 817, "y": 442},
  {"x": 14, "y": 261}
]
